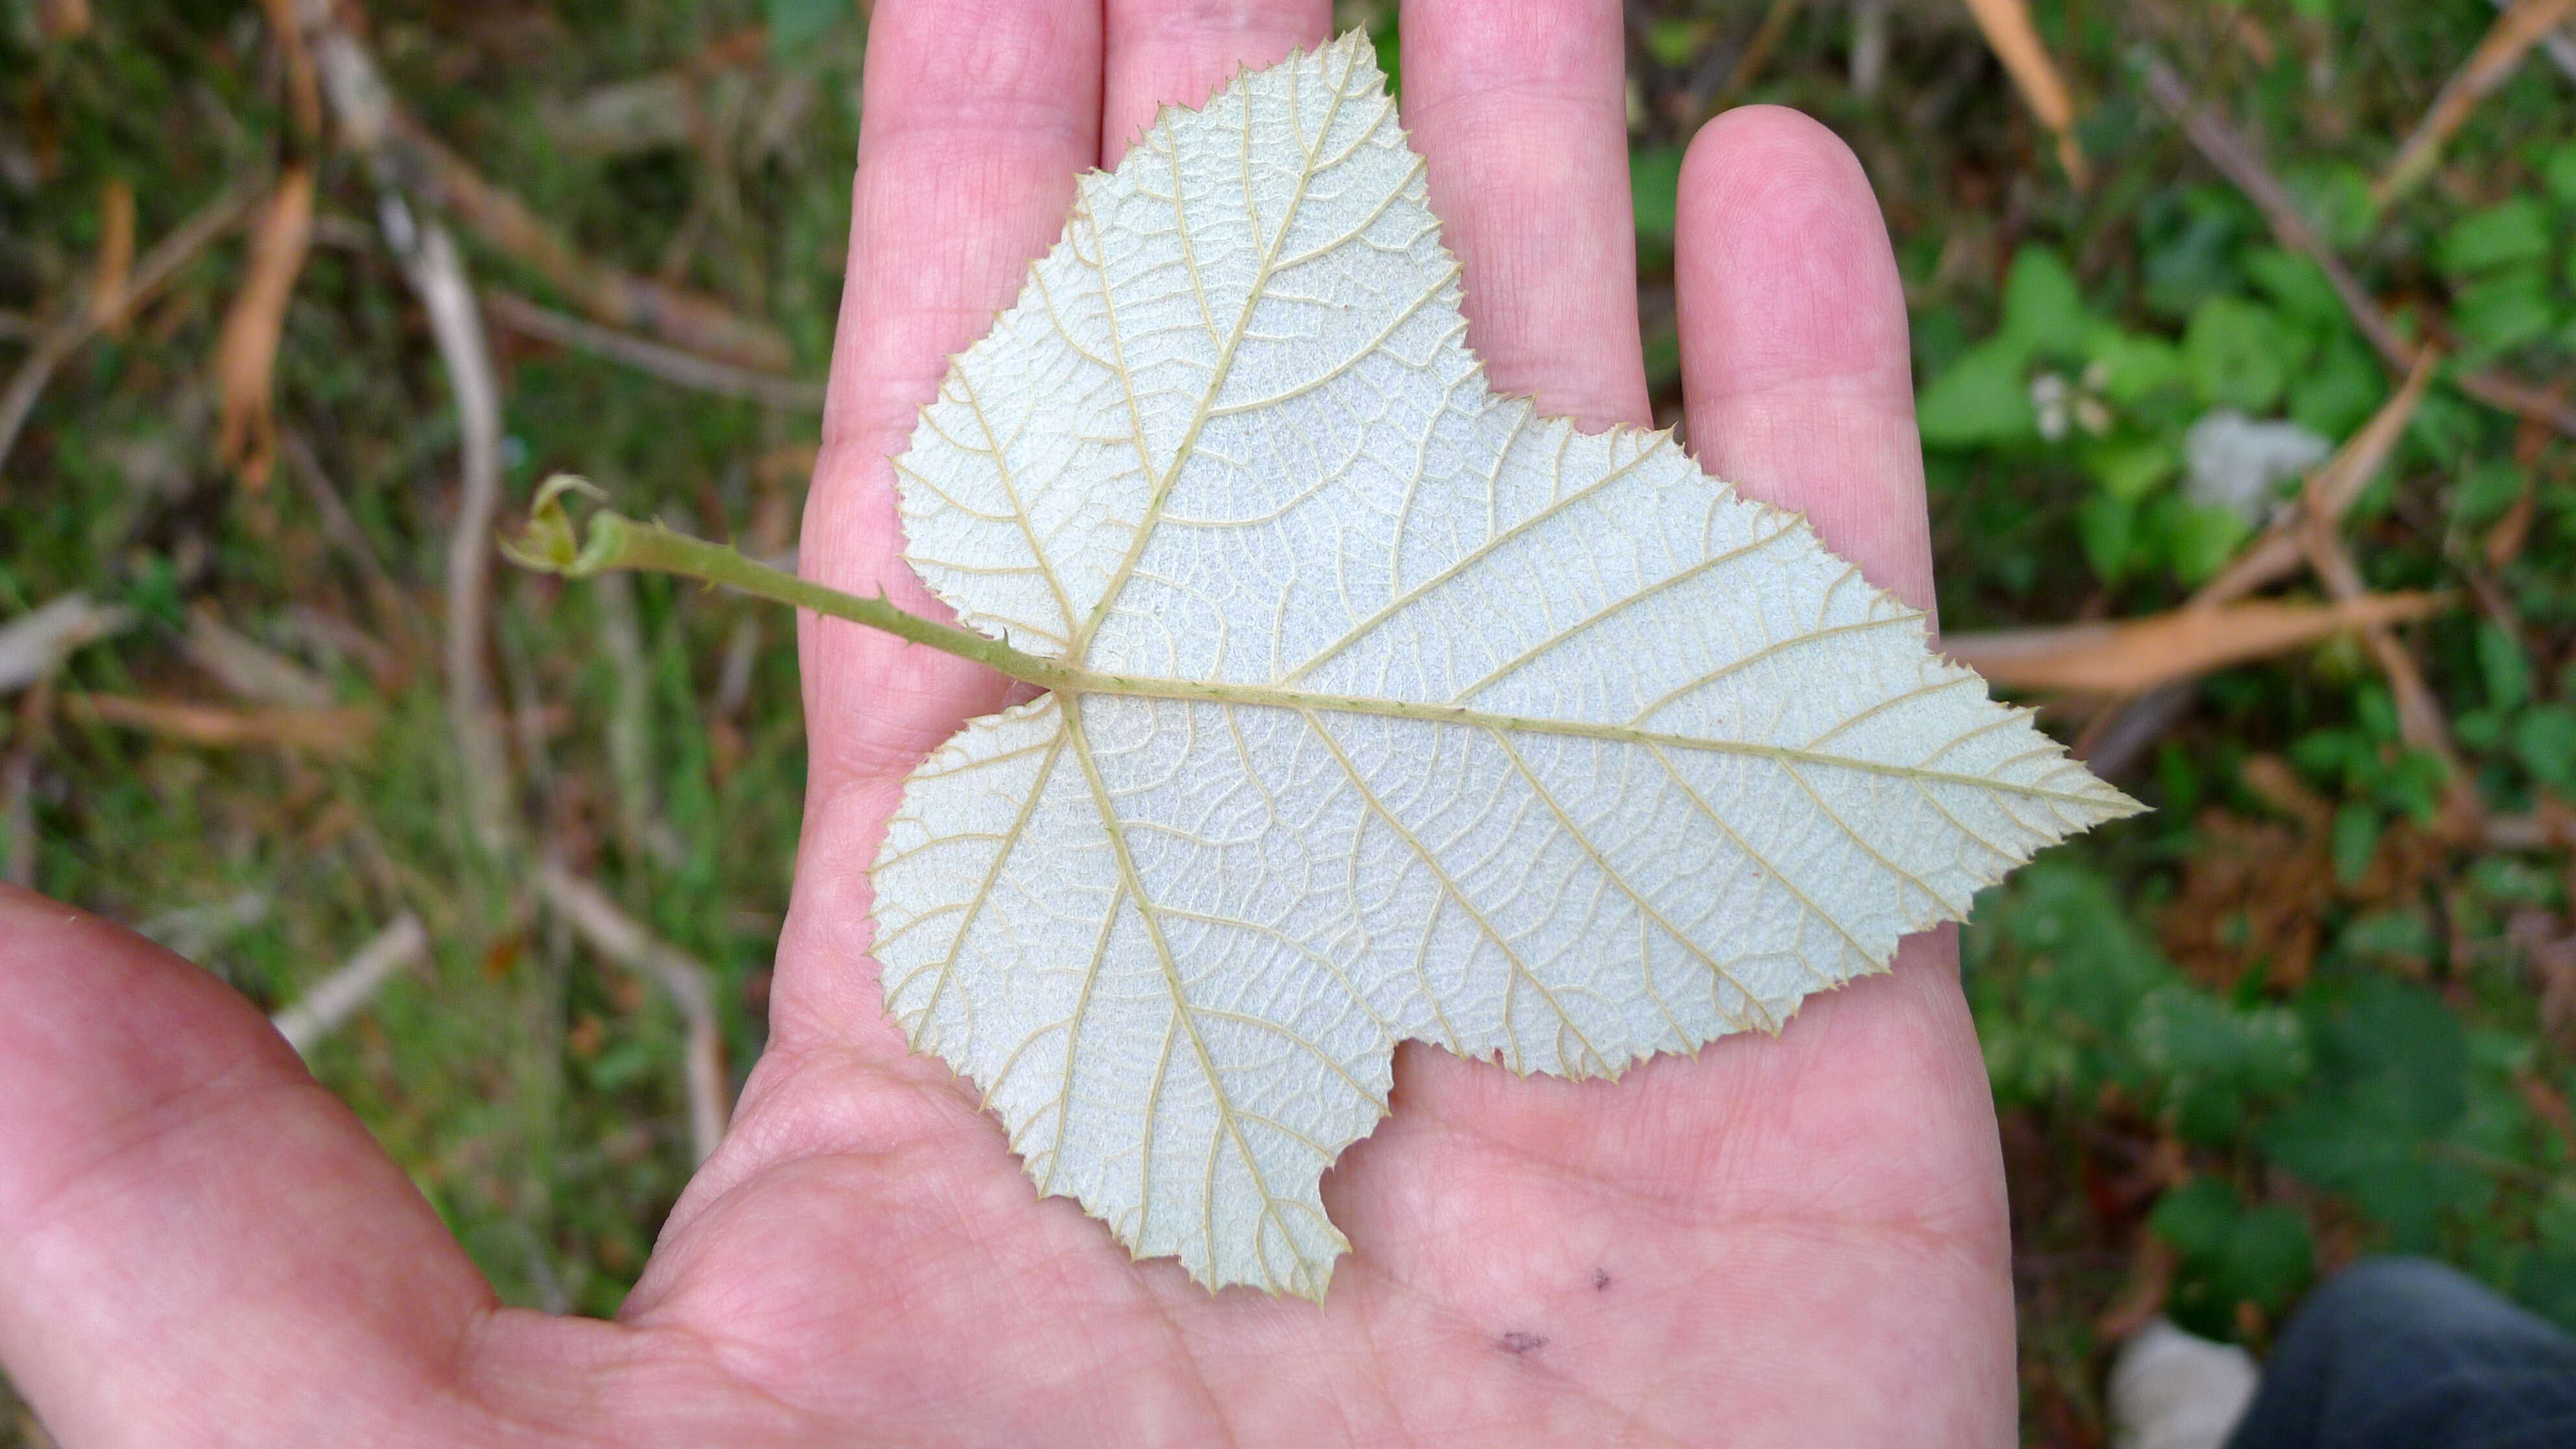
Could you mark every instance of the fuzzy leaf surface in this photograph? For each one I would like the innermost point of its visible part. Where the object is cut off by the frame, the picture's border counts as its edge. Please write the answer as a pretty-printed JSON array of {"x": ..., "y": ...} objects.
[{"x": 1410, "y": 713}]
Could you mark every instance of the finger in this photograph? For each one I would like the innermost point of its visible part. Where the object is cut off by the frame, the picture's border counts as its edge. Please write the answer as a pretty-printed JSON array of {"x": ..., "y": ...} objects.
[
  {"x": 192, "y": 1233},
  {"x": 1795, "y": 375},
  {"x": 979, "y": 114},
  {"x": 1179, "y": 52},
  {"x": 1520, "y": 109}
]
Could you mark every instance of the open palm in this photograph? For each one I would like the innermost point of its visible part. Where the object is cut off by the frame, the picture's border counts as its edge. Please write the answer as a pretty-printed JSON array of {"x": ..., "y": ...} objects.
[{"x": 1794, "y": 1241}]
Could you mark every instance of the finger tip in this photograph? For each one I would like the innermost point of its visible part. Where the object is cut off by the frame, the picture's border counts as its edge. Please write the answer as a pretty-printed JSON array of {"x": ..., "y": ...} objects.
[
  {"x": 1780, "y": 232},
  {"x": 1796, "y": 368}
]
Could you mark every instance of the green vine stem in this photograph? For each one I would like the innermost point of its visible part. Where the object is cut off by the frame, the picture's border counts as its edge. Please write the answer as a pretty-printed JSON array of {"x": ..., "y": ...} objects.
[{"x": 552, "y": 544}]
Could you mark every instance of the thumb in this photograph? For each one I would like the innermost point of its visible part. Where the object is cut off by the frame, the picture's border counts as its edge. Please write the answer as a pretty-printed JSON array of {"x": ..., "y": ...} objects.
[{"x": 195, "y": 1238}]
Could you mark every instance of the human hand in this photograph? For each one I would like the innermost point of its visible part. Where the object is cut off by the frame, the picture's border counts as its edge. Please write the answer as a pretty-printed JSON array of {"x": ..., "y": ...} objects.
[{"x": 1799, "y": 1240}]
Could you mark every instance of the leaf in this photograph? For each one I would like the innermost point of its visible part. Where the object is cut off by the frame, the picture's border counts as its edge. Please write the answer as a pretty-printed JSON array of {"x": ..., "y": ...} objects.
[
  {"x": 1983, "y": 398},
  {"x": 1388, "y": 708},
  {"x": 2229, "y": 1254},
  {"x": 2511, "y": 231}
]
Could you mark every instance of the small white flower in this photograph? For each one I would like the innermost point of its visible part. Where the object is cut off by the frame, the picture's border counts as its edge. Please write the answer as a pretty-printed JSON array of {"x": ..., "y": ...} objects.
[{"x": 2049, "y": 394}]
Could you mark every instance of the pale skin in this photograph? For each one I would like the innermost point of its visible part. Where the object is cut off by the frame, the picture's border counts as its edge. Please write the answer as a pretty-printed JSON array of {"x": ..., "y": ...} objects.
[{"x": 1791, "y": 1241}]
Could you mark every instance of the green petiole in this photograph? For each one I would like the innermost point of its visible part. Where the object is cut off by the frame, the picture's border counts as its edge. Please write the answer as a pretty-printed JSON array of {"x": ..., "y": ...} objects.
[{"x": 553, "y": 544}]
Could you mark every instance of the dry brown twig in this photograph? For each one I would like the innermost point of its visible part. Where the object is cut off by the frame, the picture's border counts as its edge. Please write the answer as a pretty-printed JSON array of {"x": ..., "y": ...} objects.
[
  {"x": 331, "y": 1001},
  {"x": 115, "y": 272},
  {"x": 2007, "y": 27},
  {"x": 670, "y": 364},
  {"x": 2560, "y": 43},
  {"x": 326, "y": 731},
  {"x": 2130, "y": 656},
  {"x": 437, "y": 273},
  {"x": 82, "y": 322},
  {"x": 2419, "y": 716},
  {"x": 688, "y": 319},
  {"x": 2524, "y": 24},
  {"x": 248, "y": 670},
  {"x": 246, "y": 354},
  {"x": 365, "y": 112},
  {"x": 617, "y": 936},
  {"x": 303, "y": 90},
  {"x": 35, "y": 644}
]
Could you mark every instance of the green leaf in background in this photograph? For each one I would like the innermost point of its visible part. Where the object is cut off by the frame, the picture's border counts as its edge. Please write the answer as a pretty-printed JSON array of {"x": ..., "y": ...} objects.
[
  {"x": 2228, "y": 1255},
  {"x": 796, "y": 24},
  {"x": 1676, "y": 42},
  {"x": 2198, "y": 539},
  {"x": 1983, "y": 398},
  {"x": 2336, "y": 197},
  {"x": 2545, "y": 738},
  {"x": 2186, "y": 249},
  {"x": 2043, "y": 311},
  {"x": 2060, "y": 1023},
  {"x": 2297, "y": 285},
  {"x": 2337, "y": 392},
  {"x": 2397, "y": 939},
  {"x": 2510, "y": 308},
  {"x": 2233, "y": 349},
  {"x": 1654, "y": 181},
  {"x": 2215, "y": 1060},
  {"x": 2487, "y": 490},
  {"x": 2130, "y": 468},
  {"x": 2558, "y": 175},
  {"x": 2355, "y": 840},
  {"x": 2134, "y": 366},
  {"x": 2512, "y": 231},
  {"x": 2504, "y": 666},
  {"x": 2107, "y": 527},
  {"x": 2391, "y": 1083}
]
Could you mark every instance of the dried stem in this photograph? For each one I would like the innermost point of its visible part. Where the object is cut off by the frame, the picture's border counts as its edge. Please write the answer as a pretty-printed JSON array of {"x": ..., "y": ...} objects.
[
  {"x": 617, "y": 936},
  {"x": 670, "y": 364},
  {"x": 2524, "y": 24},
  {"x": 2015, "y": 41},
  {"x": 82, "y": 322},
  {"x": 437, "y": 273},
  {"x": 335, "y": 998}
]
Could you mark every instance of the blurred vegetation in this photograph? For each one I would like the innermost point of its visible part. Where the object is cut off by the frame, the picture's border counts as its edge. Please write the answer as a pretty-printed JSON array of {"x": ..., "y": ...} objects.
[{"x": 2318, "y": 1005}]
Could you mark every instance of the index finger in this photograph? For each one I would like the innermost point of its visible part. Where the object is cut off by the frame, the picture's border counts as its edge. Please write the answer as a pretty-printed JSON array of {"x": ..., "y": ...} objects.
[{"x": 978, "y": 116}]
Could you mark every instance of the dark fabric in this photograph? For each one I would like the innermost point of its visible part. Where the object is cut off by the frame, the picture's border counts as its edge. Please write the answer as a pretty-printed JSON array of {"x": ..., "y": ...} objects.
[{"x": 2401, "y": 1353}]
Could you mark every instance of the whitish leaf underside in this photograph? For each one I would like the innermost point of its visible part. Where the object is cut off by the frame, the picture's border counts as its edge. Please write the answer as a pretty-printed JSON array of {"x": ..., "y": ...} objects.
[{"x": 1529, "y": 742}]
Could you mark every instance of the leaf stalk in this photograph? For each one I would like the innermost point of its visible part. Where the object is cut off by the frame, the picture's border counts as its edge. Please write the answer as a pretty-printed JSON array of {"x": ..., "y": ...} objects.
[{"x": 553, "y": 544}]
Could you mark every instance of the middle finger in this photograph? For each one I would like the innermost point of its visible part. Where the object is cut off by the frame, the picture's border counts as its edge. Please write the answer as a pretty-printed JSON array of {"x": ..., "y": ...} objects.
[
  {"x": 1520, "y": 106},
  {"x": 1180, "y": 51}
]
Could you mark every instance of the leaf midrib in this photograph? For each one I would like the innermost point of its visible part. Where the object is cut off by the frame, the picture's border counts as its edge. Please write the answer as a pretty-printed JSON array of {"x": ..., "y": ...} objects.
[
  {"x": 1080, "y": 682},
  {"x": 1145, "y": 526}
]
